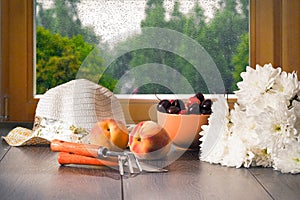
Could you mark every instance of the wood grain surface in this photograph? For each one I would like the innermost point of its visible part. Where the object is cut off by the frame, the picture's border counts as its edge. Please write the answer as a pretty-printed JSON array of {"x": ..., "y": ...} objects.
[
  {"x": 192, "y": 179},
  {"x": 280, "y": 186},
  {"x": 32, "y": 172}
]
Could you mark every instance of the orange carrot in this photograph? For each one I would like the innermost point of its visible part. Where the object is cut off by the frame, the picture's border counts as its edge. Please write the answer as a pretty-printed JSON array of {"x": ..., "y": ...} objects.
[
  {"x": 69, "y": 158},
  {"x": 75, "y": 148}
]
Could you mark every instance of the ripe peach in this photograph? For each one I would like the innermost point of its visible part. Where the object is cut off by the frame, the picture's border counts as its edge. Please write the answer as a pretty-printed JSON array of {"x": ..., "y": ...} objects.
[
  {"x": 148, "y": 140},
  {"x": 110, "y": 133}
]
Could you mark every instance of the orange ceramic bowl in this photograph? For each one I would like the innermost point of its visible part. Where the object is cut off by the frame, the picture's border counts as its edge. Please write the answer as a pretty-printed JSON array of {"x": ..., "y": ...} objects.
[{"x": 183, "y": 129}]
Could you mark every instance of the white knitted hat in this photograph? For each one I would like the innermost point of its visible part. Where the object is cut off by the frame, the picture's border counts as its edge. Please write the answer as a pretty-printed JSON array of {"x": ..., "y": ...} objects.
[
  {"x": 80, "y": 102},
  {"x": 68, "y": 112}
]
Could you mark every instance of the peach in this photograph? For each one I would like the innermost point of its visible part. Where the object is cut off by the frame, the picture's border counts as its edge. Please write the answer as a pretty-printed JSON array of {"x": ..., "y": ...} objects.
[
  {"x": 110, "y": 133},
  {"x": 148, "y": 140}
]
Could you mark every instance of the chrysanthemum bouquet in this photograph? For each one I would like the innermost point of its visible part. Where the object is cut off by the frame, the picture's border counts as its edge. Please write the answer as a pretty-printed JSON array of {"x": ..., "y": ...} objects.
[{"x": 263, "y": 129}]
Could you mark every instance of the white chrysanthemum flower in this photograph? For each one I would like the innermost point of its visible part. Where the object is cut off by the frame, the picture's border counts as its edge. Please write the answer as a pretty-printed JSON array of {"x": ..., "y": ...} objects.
[
  {"x": 243, "y": 138},
  {"x": 262, "y": 130},
  {"x": 276, "y": 128},
  {"x": 214, "y": 135},
  {"x": 288, "y": 159},
  {"x": 244, "y": 125},
  {"x": 262, "y": 157},
  {"x": 255, "y": 83},
  {"x": 286, "y": 85},
  {"x": 235, "y": 152},
  {"x": 296, "y": 107},
  {"x": 217, "y": 151},
  {"x": 249, "y": 158},
  {"x": 274, "y": 100}
]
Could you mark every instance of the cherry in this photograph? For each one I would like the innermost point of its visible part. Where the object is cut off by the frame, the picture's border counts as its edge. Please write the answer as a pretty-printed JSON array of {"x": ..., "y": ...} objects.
[
  {"x": 205, "y": 112},
  {"x": 173, "y": 110},
  {"x": 205, "y": 107},
  {"x": 206, "y": 104},
  {"x": 163, "y": 105},
  {"x": 192, "y": 100},
  {"x": 196, "y": 105},
  {"x": 178, "y": 103},
  {"x": 200, "y": 96},
  {"x": 194, "y": 109}
]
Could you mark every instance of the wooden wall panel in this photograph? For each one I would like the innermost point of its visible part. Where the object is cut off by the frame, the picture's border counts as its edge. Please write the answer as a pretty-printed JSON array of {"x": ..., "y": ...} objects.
[
  {"x": 265, "y": 32},
  {"x": 275, "y": 33},
  {"x": 17, "y": 59},
  {"x": 291, "y": 35}
]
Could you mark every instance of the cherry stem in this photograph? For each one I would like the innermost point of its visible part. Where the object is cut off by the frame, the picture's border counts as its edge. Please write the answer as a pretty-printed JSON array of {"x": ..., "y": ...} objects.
[{"x": 157, "y": 96}]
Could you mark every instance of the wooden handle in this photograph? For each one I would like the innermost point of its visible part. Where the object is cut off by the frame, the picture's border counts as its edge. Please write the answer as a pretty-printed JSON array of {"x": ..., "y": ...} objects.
[
  {"x": 74, "y": 148},
  {"x": 69, "y": 158}
]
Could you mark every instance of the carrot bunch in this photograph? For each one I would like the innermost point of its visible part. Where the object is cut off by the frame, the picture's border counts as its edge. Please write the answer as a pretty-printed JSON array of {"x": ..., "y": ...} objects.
[{"x": 82, "y": 154}]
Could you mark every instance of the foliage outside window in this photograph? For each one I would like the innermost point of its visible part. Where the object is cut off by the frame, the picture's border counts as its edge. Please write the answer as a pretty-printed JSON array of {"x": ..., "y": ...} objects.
[{"x": 63, "y": 43}]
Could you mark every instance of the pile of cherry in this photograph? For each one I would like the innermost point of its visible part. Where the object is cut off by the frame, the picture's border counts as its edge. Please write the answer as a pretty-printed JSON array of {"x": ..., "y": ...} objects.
[{"x": 195, "y": 105}]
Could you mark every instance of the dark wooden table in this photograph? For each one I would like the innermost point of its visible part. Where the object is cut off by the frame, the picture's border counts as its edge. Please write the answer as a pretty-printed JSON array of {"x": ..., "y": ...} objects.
[{"x": 32, "y": 172}]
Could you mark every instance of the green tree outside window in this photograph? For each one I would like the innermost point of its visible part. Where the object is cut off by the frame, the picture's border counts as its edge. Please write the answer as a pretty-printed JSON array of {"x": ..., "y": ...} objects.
[{"x": 62, "y": 44}]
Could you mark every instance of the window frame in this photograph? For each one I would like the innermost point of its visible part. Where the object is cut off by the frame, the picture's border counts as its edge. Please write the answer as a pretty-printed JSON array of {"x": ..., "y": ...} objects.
[{"x": 273, "y": 31}]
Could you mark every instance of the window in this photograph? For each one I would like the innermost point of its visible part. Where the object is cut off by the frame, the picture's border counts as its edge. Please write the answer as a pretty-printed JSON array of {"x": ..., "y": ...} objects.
[
  {"x": 274, "y": 38},
  {"x": 205, "y": 52}
]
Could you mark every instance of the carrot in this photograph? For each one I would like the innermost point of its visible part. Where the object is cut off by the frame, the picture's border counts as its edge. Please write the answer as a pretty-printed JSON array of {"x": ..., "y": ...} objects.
[
  {"x": 69, "y": 158},
  {"x": 75, "y": 148}
]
